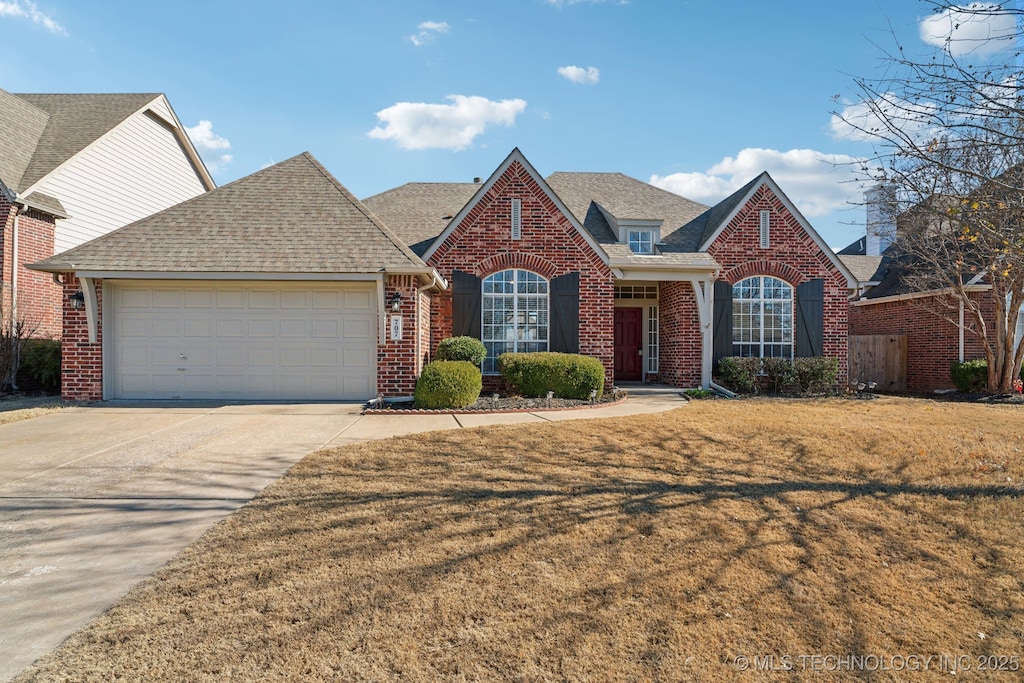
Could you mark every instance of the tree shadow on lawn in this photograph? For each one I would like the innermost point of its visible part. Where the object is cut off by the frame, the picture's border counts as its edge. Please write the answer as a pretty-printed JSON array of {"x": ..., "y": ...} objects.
[{"x": 652, "y": 548}]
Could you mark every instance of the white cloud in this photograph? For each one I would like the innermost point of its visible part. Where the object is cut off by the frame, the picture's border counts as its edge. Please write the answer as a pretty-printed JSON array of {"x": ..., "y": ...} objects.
[
  {"x": 26, "y": 9},
  {"x": 419, "y": 125},
  {"x": 577, "y": 74},
  {"x": 980, "y": 28},
  {"x": 428, "y": 30},
  {"x": 868, "y": 121},
  {"x": 209, "y": 144},
  {"x": 817, "y": 182}
]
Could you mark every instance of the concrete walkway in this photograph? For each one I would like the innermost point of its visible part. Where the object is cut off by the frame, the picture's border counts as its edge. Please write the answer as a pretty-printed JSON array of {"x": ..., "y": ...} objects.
[{"x": 94, "y": 499}]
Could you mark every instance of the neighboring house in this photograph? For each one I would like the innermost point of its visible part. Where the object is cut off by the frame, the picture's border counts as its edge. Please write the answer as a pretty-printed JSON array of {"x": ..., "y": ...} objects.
[
  {"x": 73, "y": 167},
  {"x": 936, "y": 334},
  {"x": 318, "y": 295}
]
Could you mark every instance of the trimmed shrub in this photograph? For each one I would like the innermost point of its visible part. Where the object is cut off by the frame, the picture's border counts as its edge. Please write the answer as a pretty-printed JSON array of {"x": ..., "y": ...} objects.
[
  {"x": 815, "y": 375},
  {"x": 568, "y": 375},
  {"x": 40, "y": 361},
  {"x": 462, "y": 348},
  {"x": 970, "y": 376},
  {"x": 739, "y": 374},
  {"x": 778, "y": 374},
  {"x": 448, "y": 384}
]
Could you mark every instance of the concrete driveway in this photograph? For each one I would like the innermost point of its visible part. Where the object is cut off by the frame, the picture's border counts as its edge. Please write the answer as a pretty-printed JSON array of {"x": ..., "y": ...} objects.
[{"x": 94, "y": 499}]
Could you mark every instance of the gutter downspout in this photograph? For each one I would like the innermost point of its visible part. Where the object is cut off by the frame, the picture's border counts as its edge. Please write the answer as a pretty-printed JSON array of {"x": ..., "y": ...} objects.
[
  {"x": 435, "y": 281},
  {"x": 14, "y": 287},
  {"x": 961, "y": 330}
]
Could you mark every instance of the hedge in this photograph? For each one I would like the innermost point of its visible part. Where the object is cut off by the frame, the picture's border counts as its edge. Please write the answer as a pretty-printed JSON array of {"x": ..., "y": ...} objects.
[
  {"x": 448, "y": 384},
  {"x": 468, "y": 349},
  {"x": 568, "y": 375},
  {"x": 971, "y": 376},
  {"x": 746, "y": 375}
]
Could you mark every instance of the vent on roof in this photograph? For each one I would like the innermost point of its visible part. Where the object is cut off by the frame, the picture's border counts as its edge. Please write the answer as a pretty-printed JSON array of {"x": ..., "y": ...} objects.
[
  {"x": 765, "y": 229},
  {"x": 517, "y": 219},
  {"x": 476, "y": 180}
]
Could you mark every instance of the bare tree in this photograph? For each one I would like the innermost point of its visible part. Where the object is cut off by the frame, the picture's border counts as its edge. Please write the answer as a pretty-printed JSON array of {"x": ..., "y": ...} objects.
[{"x": 947, "y": 129}]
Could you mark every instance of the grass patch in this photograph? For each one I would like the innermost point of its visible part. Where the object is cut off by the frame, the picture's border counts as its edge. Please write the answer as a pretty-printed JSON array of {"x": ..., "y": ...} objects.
[
  {"x": 655, "y": 547},
  {"x": 16, "y": 407}
]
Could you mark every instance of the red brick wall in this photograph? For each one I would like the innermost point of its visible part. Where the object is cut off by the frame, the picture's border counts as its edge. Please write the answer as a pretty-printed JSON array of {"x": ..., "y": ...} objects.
[
  {"x": 933, "y": 342},
  {"x": 397, "y": 363},
  {"x": 38, "y": 304},
  {"x": 792, "y": 256},
  {"x": 550, "y": 246},
  {"x": 679, "y": 338},
  {"x": 81, "y": 361}
]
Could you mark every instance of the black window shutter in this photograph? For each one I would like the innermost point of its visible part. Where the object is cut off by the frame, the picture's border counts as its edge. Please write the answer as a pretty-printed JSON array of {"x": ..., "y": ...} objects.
[
  {"x": 564, "y": 328},
  {"x": 466, "y": 295},
  {"x": 722, "y": 326},
  {"x": 810, "y": 319}
]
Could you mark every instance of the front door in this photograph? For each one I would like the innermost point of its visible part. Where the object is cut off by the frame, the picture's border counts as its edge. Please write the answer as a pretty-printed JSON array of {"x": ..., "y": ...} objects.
[{"x": 629, "y": 360}]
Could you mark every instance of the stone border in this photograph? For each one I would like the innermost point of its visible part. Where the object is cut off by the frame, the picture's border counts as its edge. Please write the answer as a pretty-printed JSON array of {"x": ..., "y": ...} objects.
[{"x": 466, "y": 411}]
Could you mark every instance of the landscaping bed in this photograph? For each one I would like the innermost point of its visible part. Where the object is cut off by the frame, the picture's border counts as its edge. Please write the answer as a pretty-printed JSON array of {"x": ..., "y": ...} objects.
[{"x": 506, "y": 404}]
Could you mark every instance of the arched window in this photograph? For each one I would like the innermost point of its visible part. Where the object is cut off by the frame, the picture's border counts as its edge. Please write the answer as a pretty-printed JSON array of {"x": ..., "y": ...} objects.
[
  {"x": 762, "y": 318},
  {"x": 515, "y": 315}
]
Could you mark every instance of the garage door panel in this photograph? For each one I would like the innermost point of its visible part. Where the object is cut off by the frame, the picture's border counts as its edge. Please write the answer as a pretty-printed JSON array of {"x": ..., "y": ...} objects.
[
  {"x": 242, "y": 340},
  {"x": 230, "y": 328},
  {"x": 230, "y": 298}
]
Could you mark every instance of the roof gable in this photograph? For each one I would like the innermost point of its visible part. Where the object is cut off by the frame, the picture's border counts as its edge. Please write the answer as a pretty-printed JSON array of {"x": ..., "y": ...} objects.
[
  {"x": 717, "y": 219},
  {"x": 290, "y": 218},
  {"x": 515, "y": 157}
]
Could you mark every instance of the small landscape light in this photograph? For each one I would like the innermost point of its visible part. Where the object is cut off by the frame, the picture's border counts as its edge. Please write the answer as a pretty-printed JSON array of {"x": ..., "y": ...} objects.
[
  {"x": 551, "y": 395},
  {"x": 593, "y": 395},
  {"x": 494, "y": 400}
]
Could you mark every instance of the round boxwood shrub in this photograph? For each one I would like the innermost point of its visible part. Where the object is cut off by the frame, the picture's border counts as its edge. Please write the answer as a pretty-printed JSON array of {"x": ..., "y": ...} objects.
[
  {"x": 462, "y": 348},
  {"x": 448, "y": 384},
  {"x": 567, "y": 375}
]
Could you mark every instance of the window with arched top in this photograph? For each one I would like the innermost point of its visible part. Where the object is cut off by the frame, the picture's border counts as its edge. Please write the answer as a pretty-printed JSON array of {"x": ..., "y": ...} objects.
[
  {"x": 762, "y": 318},
  {"x": 514, "y": 314}
]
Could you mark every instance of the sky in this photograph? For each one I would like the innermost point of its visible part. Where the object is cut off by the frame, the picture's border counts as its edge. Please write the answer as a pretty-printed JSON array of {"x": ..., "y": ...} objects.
[{"x": 695, "y": 97}]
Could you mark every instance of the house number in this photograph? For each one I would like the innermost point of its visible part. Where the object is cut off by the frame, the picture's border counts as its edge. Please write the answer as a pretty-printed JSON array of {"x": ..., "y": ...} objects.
[{"x": 396, "y": 327}]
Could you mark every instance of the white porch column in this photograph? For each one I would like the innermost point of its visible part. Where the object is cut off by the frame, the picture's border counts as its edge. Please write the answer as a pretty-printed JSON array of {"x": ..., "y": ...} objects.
[
  {"x": 704, "y": 292},
  {"x": 91, "y": 307}
]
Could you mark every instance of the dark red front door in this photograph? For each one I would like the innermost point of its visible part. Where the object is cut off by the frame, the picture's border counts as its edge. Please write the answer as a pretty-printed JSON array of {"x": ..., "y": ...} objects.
[{"x": 629, "y": 362}]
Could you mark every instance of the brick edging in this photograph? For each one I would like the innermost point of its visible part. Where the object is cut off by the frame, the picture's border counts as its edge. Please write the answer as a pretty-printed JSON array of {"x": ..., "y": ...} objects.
[{"x": 464, "y": 411}]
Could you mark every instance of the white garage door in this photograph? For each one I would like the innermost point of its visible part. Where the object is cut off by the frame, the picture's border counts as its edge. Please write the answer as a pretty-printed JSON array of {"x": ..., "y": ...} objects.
[{"x": 251, "y": 340}]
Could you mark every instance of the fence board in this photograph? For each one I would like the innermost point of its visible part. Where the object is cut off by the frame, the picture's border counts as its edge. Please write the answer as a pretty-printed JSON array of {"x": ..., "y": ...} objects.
[{"x": 879, "y": 358}]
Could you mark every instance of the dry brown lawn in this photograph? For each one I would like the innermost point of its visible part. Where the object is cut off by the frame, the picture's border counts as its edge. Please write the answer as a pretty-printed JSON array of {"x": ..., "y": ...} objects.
[
  {"x": 14, "y": 408},
  {"x": 651, "y": 548}
]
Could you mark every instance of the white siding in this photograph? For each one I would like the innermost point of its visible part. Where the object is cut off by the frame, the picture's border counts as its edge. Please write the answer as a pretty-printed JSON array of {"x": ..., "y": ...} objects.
[{"x": 137, "y": 169}]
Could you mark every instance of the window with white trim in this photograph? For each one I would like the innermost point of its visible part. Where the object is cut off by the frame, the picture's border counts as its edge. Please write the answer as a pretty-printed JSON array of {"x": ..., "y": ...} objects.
[
  {"x": 652, "y": 339},
  {"x": 515, "y": 315},
  {"x": 762, "y": 318},
  {"x": 641, "y": 241},
  {"x": 766, "y": 222}
]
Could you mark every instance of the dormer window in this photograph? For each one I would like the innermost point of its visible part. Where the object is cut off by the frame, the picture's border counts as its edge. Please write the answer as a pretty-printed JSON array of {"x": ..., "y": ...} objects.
[{"x": 641, "y": 241}]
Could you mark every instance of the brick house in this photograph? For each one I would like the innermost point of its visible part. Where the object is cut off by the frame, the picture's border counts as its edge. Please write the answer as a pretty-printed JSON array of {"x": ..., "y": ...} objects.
[
  {"x": 73, "y": 167},
  {"x": 317, "y": 295},
  {"x": 937, "y": 328}
]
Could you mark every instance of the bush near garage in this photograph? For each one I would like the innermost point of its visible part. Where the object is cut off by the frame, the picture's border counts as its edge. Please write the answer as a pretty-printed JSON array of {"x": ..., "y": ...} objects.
[
  {"x": 971, "y": 376},
  {"x": 567, "y": 375},
  {"x": 468, "y": 349},
  {"x": 40, "y": 365},
  {"x": 448, "y": 384}
]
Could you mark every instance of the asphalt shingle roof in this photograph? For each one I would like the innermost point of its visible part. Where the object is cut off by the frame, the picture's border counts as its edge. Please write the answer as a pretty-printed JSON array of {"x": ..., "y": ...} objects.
[
  {"x": 293, "y": 217},
  {"x": 21, "y": 126},
  {"x": 75, "y": 122},
  {"x": 626, "y": 198},
  {"x": 864, "y": 268},
  {"x": 419, "y": 212}
]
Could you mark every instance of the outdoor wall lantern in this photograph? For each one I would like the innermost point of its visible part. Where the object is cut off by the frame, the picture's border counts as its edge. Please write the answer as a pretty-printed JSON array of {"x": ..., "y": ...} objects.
[
  {"x": 77, "y": 300},
  {"x": 395, "y": 301}
]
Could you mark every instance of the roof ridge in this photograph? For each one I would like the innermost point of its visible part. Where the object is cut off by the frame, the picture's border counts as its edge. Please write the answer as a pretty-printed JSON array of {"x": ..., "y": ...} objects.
[{"x": 365, "y": 210}]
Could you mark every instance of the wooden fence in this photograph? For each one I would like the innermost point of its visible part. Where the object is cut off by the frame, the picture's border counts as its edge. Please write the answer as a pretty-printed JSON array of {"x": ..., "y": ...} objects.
[{"x": 879, "y": 358}]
